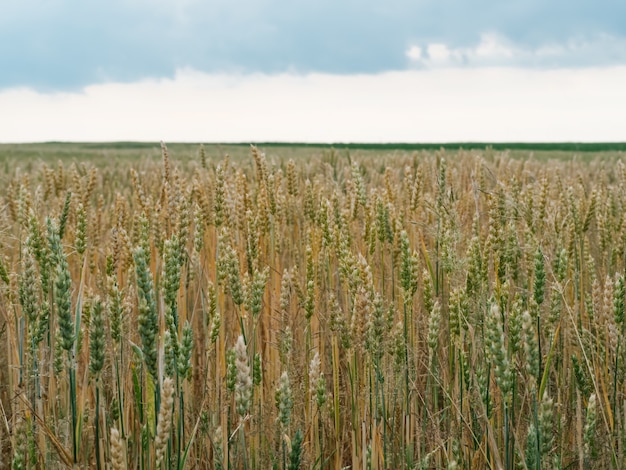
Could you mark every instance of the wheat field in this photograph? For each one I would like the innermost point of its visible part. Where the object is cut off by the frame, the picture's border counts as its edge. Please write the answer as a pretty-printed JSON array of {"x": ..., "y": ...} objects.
[{"x": 316, "y": 310}]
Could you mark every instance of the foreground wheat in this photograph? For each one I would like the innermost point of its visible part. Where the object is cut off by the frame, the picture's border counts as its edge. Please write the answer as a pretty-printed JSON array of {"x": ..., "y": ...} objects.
[{"x": 372, "y": 311}]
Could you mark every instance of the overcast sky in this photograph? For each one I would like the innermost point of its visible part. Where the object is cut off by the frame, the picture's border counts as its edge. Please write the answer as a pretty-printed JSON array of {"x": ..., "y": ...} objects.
[{"x": 341, "y": 70}]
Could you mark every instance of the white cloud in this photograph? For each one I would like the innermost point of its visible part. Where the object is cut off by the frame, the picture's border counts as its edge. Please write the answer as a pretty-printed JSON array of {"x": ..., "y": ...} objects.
[
  {"x": 414, "y": 53},
  {"x": 495, "y": 49},
  {"x": 432, "y": 105},
  {"x": 438, "y": 53}
]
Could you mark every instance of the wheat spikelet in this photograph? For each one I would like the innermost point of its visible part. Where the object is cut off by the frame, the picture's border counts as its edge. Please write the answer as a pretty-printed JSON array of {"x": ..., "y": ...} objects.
[
  {"x": 118, "y": 458},
  {"x": 165, "y": 419}
]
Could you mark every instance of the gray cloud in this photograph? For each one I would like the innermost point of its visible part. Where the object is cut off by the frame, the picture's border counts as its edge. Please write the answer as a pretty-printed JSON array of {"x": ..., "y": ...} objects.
[{"x": 63, "y": 44}]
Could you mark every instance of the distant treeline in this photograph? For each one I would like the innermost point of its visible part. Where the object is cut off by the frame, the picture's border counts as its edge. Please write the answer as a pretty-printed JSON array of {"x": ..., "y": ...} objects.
[
  {"x": 540, "y": 146},
  {"x": 562, "y": 146}
]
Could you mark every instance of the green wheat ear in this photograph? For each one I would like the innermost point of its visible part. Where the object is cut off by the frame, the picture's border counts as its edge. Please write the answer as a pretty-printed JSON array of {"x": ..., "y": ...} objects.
[
  {"x": 295, "y": 456},
  {"x": 96, "y": 339},
  {"x": 63, "y": 294},
  {"x": 186, "y": 346},
  {"x": 148, "y": 316}
]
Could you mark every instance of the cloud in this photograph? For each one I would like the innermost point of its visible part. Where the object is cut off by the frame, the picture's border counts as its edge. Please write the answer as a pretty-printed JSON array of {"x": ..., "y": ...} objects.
[
  {"x": 66, "y": 45},
  {"x": 414, "y": 53},
  {"x": 433, "y": 105},
  {"x": 494, "y": 49}
]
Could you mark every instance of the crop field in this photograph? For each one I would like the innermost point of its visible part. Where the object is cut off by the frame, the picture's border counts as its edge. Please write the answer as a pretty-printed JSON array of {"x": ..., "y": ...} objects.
[{"x": 245, "y": 307}]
